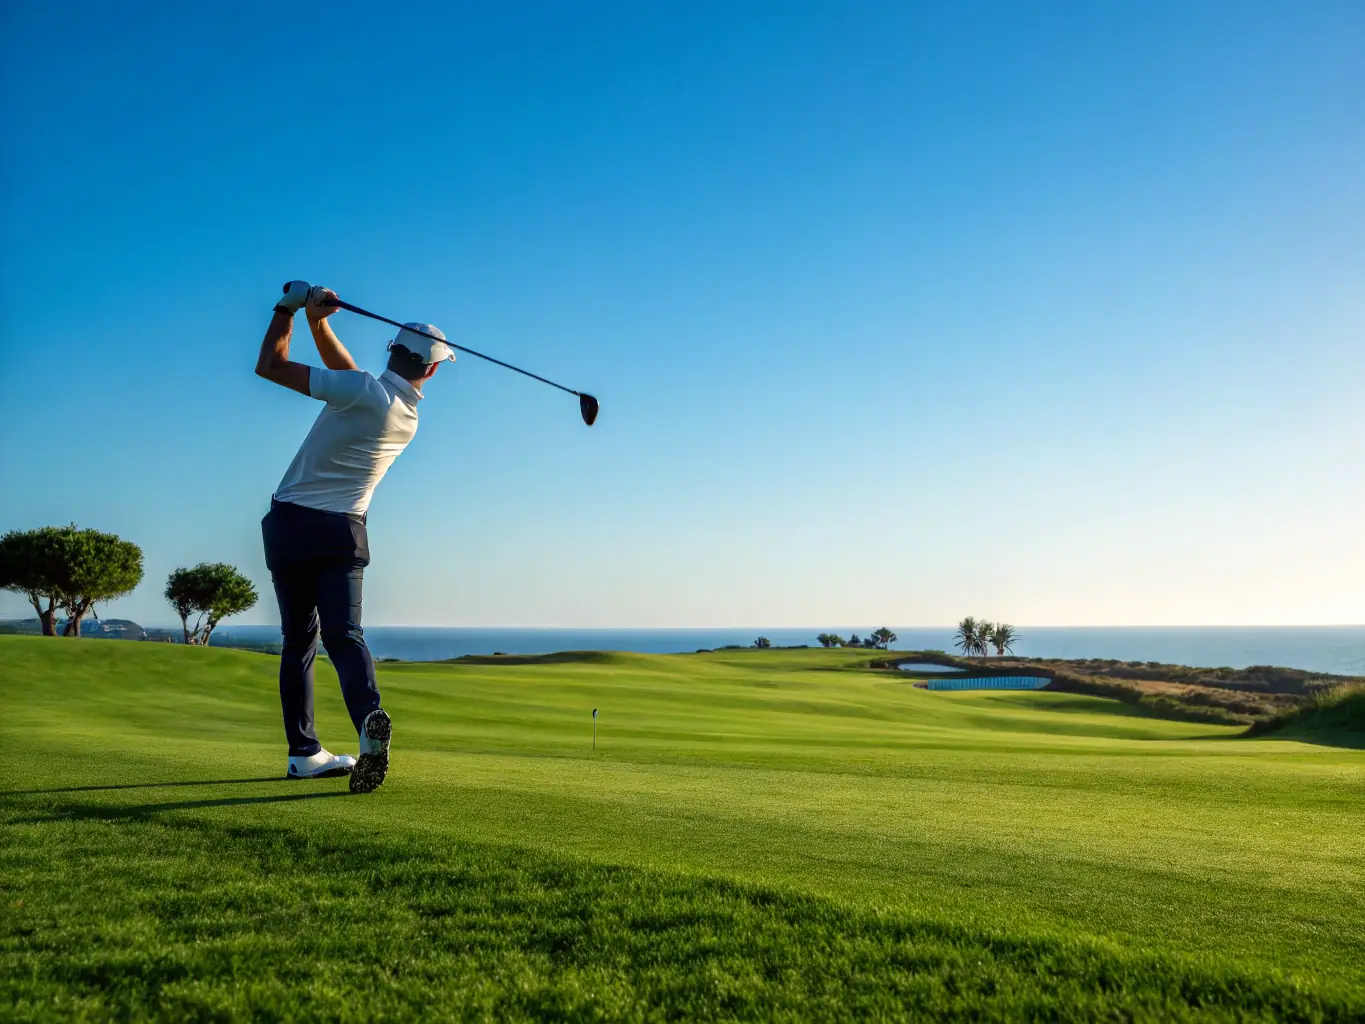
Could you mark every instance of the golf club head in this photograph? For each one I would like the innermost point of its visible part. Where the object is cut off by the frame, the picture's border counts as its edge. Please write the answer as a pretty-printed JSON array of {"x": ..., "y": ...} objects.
[{"x": 587, "y": 405}]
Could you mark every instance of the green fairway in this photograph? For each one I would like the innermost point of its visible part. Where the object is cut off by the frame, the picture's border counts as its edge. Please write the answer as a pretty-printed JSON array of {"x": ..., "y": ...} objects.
[{"x": 773, "y": 834}]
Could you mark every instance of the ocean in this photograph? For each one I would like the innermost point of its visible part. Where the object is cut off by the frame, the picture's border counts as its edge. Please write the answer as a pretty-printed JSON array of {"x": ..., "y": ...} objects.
[{"x": 1334, "y": 649}]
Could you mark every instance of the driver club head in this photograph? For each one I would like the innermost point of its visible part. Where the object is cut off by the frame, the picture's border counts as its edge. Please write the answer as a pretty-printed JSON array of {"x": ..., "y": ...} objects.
[{"x": 587, "y": 405}]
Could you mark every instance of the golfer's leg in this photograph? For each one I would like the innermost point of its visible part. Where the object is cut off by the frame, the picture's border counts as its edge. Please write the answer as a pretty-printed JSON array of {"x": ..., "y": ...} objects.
[
  {"x": 339, "y": 606},
  {"x": 296, "y": 590}
]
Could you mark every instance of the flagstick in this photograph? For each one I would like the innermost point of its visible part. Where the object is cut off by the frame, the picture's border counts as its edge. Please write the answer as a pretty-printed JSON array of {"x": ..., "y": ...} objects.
[{"x": 594, "y": 729}]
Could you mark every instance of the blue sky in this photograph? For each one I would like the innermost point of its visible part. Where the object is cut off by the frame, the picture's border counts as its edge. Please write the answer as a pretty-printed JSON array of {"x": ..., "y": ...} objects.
[{"x": 897, "y": 312}]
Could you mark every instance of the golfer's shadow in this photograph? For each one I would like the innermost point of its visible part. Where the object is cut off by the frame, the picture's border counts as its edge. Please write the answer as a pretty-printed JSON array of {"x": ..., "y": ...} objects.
[
  {"x": 138, "y": 812},
  {"x": 143, "y": 810},
  {"x": 139, "y": 785}
]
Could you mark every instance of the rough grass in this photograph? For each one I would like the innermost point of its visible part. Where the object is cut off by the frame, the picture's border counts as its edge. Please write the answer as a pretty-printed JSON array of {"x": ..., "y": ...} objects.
[
  {"x": 1223, "y": 696},
  {"x": 1336, "y": 715},
  {"x": 756, "y": 837}
]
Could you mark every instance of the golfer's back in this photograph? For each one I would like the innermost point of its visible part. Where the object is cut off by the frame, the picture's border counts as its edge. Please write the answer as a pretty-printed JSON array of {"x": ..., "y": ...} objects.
[{"x": 366, "y": 423}]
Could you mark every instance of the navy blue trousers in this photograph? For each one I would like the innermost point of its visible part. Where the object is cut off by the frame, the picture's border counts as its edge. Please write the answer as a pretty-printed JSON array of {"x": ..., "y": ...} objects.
[{"x": 317, "y": 561}]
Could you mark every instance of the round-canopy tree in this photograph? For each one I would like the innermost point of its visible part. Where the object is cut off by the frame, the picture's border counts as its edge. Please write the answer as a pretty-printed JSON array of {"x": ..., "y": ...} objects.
[
  {"x": 211, "y": 591},
  {"x": 68, "y": 568},
  {"x": 99, "y": 567},
  {"x": 30, "y": 564}
]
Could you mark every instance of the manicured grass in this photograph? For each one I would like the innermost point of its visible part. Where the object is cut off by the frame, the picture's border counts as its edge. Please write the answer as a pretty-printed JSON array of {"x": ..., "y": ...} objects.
[{"x": 759, "y": 834}]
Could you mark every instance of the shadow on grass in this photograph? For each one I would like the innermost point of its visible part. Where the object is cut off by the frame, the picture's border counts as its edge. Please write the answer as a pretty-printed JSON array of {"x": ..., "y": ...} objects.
[
  {"x": 140, "y": 785},
  {"x": 108, "y": 812},
  {"x": 1343, "y": 740},
  {"x": 557, "y": 658}
]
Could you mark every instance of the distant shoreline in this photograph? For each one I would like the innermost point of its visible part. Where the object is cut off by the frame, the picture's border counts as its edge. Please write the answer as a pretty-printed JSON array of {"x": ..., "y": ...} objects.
[{"x": 1337, "y": 650}]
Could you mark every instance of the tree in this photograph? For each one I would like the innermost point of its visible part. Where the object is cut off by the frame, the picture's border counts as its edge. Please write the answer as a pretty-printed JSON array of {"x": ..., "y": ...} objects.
[
  {"x": 99, "y": 568},
  {"x": 830, "y": 640},
  {"x": 1003, "y": 636},
  {"x": 68, "y": 568},
  {"x": 969, "y": 636},
  {"x": 763, "y": 641},
  {"x": 853, "y": 641},
  {"x": 983, "y": 637},
  {"x": 884, "y": 638},
  {"x": 211, "y": 591},
  {"x": 30, "y": 564}
]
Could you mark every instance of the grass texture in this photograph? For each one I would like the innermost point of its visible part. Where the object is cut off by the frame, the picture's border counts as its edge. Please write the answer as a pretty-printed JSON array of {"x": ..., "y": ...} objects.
[
  {"x": 775, "y": 835},
  {"x": 1336, "y": 716}
]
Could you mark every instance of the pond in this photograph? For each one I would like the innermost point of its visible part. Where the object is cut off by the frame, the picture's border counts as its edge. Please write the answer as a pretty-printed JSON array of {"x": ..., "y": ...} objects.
[
  {"x": 989, "y": 683},
  {"x": 924, "y": 666}
]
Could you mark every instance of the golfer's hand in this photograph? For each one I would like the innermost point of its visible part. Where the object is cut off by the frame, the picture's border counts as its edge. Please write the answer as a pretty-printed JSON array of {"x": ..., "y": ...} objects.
[
  {"x": 319, "y": 307},
  {"x": 295, "y": 295}
]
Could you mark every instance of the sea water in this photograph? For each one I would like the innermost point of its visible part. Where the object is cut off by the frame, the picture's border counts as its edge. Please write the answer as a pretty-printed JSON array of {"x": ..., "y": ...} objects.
[{"x": 1335, "y": 649}]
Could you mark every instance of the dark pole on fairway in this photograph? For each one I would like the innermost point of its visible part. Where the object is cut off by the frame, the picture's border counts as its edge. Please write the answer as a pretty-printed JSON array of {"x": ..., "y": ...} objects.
[{"x": 594, "y": 728}]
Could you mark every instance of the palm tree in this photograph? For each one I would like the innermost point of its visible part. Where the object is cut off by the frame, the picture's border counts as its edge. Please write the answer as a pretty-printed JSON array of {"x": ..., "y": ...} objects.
[
  {"x": 983, "y": 637},
  {"x": 1002, "y": 636},
  {"x": 968, "y": 631},
  {"x": 884, "y": 638}
]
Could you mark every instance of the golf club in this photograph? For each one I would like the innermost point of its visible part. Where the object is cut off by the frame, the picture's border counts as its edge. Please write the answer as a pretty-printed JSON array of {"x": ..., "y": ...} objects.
[{"x": 587, "y": 405}]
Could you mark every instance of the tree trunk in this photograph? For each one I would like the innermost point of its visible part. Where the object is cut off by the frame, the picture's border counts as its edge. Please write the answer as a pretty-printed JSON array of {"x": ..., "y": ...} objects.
[
  {"x": 185, "y": 626},
  {"x": 46, "y": 619},
  {"x": 77, "y": 616},
  {"x": 74, "y": 614}
]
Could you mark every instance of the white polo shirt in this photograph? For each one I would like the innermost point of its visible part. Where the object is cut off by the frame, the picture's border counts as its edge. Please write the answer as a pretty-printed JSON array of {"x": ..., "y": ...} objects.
[{"x": 365, "y": 425}]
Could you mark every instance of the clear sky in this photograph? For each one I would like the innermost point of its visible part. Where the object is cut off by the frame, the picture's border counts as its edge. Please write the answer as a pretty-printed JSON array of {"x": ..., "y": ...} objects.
[{"x": 897, "y": 312}]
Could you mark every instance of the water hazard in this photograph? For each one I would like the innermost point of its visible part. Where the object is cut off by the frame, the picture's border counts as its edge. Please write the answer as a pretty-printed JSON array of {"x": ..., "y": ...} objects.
[
  {"x": 988, "y": 683},
  {"x": 945, "y": 677}
]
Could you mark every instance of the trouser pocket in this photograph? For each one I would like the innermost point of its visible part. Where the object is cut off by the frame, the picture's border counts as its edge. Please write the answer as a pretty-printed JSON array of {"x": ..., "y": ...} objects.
[{"x": 295, "y": 535}]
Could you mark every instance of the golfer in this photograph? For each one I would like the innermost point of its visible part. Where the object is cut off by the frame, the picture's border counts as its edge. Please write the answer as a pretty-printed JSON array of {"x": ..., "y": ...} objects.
[{"x": 316, "y": 546}]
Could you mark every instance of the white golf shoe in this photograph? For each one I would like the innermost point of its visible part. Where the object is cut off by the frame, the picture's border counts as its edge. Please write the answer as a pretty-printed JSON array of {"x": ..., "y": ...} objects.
[
  {"x": 373, "y": 764},
  {"x": 322, "y": 765}
]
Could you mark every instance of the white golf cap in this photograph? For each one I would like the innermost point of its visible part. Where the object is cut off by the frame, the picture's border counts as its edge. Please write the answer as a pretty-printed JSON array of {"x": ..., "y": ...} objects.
[{"x": 426, "y": 341}]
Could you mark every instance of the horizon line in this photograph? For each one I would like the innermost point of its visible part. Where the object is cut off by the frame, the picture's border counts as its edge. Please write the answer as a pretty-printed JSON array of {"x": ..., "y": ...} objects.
[{"x": 950, "y": 626}]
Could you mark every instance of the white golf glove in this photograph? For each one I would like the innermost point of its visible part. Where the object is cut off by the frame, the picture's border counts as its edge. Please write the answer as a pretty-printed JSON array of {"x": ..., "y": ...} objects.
[
  {"x": 318, "y": 306},
  {"x": 295, "y": 295}
]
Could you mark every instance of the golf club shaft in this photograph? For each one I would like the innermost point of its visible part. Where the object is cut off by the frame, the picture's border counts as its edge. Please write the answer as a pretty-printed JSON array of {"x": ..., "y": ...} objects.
[{"x": 470, "y": 351}]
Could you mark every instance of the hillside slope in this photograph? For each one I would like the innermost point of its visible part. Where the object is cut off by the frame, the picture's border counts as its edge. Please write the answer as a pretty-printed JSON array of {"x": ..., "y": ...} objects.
[{"x": 1336, "y": 716}]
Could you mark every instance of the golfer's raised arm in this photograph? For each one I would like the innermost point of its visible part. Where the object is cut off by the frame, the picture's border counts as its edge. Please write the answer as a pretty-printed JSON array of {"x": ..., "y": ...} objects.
[
  {"x": 273, "y": 363},
  {"x": 333, "y": 352}
]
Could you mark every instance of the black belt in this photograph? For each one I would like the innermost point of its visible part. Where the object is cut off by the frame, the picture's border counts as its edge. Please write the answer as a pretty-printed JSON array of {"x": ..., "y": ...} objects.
[{"x": 292, "y": 507}]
